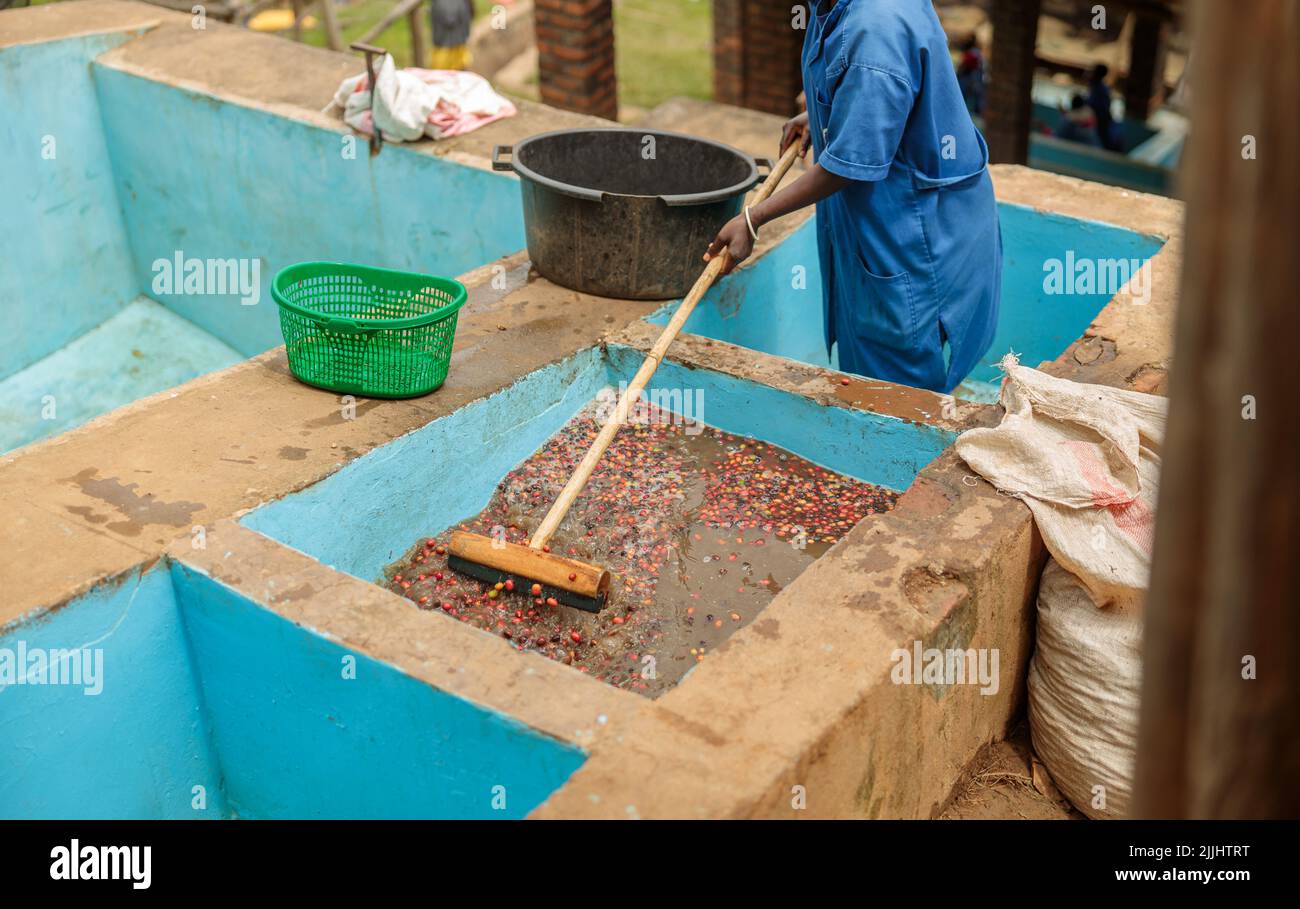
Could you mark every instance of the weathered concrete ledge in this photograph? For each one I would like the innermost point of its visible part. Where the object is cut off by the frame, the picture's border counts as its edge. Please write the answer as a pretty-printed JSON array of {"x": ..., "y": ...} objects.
[
  {"x": 824, "y": 386},
  {"x": 59, "y": 21}
]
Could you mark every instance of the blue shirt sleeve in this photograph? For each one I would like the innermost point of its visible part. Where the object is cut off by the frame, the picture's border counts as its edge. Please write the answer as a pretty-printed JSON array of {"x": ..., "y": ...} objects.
[{"x": 868, "y": 112}]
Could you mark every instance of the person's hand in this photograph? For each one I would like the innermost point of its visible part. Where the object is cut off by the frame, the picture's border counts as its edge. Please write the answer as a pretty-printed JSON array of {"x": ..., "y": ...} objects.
[
  {"x": 734, "y": 237},
  {"x": 796, "y": 130}
]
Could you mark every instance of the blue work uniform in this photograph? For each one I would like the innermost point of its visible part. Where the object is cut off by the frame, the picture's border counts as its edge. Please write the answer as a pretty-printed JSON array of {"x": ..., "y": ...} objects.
[{"x": 910, "y": 250}]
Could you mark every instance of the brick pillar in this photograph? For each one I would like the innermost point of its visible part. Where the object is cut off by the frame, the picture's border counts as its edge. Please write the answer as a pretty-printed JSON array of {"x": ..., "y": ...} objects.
[
  {"x": 756, "y": 55},
  {"x": 1144, "y": 85},
  {"x": 1008, "y": 109},
  {"x": 575, "y": 55},
  {"x": 728, "y": 52}
]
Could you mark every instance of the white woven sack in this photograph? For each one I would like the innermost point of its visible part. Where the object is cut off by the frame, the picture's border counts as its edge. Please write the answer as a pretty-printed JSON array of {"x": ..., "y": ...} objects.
[{"x": 1084, "y": 682}]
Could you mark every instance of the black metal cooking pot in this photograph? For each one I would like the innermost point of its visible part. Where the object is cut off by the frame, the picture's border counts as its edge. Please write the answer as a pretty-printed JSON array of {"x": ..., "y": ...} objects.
[{"x": 626, "y": 212}]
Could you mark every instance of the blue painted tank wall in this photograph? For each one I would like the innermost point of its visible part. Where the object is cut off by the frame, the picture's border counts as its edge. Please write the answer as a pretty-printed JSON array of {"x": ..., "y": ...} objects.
[
  {"x": 141, "y": 169},
  {"x": 1074, "y": 159},
  {"x": 763, "y": 308},
  {"x": 141, "y": 349},
  {"x": 216, "y": 179},
  {"x": 65, "y": 266},
  {"x": 202, "y": 687},
  {"x": 1135, "y": 168},
  {"x": 867, "y": 446},
  {"x": 136, "y": 749},
  {"x": 1133, "y": 132},
  {"x": 299, "y": 740},
  {"x": 1034, "y": 324},
  {"x": 774, "y": 306},
  {"x": 363, "y": 517}
]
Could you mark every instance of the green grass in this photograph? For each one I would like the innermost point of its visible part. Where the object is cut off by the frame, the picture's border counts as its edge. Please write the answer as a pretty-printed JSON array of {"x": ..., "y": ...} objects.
[{"x": 663, "y": 48}]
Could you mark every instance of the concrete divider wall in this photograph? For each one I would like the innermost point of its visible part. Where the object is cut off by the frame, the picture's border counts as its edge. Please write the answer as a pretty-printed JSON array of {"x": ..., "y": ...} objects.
[{"x": 953, "y": 567}]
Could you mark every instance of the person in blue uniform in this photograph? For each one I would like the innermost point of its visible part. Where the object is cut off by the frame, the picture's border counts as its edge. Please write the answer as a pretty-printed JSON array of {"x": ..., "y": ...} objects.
[{"x": 907, "y": 225}]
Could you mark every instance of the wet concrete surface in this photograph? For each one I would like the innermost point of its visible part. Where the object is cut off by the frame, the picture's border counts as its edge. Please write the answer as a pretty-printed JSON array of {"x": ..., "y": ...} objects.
[{"x": 700, "y": 528}]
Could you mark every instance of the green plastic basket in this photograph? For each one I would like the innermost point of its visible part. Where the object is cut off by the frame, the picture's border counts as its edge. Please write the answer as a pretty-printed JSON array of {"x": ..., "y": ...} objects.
[{"x": 373, "y": 332}]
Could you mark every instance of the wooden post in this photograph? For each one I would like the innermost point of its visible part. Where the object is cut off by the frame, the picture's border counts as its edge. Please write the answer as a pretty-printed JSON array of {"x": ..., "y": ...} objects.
[
  {"x": 333, "y": 34},
  {"x": 297, "y": 20},
  {"x": 419, "y": 49},
  {"x": 1220, "y": 725},
  {"x": 1144, "y": 82}
]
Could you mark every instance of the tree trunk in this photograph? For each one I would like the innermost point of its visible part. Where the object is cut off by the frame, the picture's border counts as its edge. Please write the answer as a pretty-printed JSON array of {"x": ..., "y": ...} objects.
[{"x": 1225, "y": 585}]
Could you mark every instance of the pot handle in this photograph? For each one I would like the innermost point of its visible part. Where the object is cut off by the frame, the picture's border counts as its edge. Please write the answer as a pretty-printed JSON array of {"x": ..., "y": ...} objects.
[
  {"x": 497, "y": 152},
  {"x": 764, "y": 162}
]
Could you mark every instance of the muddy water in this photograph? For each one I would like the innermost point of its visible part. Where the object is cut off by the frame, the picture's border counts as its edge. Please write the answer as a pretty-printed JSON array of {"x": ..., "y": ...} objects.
[{"x": 699, "y": 528}]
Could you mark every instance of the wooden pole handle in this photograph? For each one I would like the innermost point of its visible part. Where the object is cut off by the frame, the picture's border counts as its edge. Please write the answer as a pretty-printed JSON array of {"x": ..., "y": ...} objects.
[{"x": 578, "y": 481}]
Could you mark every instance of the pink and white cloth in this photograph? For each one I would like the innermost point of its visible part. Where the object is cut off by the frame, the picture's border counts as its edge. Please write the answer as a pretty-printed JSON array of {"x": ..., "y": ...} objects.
[{"x": 417, "y": 103}]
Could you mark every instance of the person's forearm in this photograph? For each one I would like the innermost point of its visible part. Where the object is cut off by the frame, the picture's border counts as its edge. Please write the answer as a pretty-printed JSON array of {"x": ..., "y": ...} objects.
[{"x": 812, "y": 187}]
